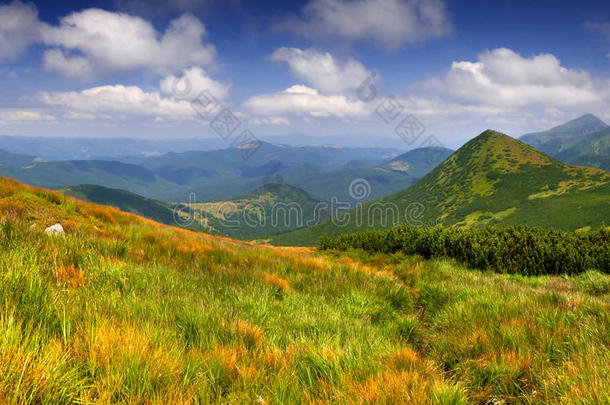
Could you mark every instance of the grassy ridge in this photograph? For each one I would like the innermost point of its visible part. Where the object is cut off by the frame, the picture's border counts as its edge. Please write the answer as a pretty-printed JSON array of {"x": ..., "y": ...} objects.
[
  {"x": 520, "y": 250},
  {"x": 125, "y": 310}
]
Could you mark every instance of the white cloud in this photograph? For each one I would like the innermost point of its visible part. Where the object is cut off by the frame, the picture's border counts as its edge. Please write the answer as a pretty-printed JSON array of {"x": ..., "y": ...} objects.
[
  {"x": 305, "y": 101},
  {"x": 18, "y": 29},
  {"x": 503, "y": 78},
  {"x": 99, "y": 42},
  {"x": 191, "y": 83},
  {"x": 76, "y": 67},
  {"x": 322, "y": 70},
  {"x": 73, "y": 115},
  {"x": 117, "y": 101},
  {"x": 270, "y": 121},
  {"x": 15, "y": 116},
  {"x": 388, "y": 23}
]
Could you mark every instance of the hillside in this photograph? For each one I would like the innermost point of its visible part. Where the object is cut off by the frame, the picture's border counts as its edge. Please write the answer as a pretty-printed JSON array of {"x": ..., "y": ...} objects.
[
  {"x": 122, "y": 310},
  {"x": 124, "y": 200},
  {"x": 270, "y": 209},
  {"x": 492, "y": 179},
  {"x": 584, "y": 141},
  {"x": 593, "y": 150}
]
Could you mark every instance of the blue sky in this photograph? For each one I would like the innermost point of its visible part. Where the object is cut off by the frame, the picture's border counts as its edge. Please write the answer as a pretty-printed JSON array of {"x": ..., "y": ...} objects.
[{"x": 117, "y": 68}]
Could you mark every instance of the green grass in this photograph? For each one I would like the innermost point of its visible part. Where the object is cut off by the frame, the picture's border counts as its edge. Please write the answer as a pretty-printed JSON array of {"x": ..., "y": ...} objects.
[{"x": 125, "y": 310}]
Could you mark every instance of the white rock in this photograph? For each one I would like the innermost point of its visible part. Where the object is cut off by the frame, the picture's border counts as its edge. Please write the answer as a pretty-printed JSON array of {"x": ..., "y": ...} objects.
[{"x": 56, "y": 229}]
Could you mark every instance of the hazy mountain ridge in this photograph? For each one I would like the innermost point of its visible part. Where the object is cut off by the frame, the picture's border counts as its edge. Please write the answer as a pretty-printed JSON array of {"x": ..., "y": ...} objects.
[
  {"x": 582, "y": 141},
  {"x": 321, "y": 171}
]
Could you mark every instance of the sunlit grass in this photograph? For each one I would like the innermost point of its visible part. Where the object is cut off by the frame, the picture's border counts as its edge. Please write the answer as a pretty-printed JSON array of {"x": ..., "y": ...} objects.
[{"x": 124, "y": 310}]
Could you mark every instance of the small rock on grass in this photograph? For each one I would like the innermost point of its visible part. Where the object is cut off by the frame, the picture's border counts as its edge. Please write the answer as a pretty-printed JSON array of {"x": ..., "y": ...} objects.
[{"x": 56, "y": 229}]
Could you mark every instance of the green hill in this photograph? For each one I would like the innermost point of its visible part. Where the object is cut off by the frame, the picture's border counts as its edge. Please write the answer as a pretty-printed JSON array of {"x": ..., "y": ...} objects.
[
  {"x": 591, "y": 150},
  {"x": 492, "y": 179},
  {"x": 124, "y": 200},
  {"x": 270, "y": 209},
  {"x": 584, "y": 141}
]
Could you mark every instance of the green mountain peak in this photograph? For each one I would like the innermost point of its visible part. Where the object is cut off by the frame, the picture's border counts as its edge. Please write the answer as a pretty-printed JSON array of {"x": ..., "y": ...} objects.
[{"x": 492, "y": 179}]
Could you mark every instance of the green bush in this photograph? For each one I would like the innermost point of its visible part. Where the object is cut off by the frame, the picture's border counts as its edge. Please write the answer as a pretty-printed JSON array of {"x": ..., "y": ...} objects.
[{"x": 518, "y": 250}]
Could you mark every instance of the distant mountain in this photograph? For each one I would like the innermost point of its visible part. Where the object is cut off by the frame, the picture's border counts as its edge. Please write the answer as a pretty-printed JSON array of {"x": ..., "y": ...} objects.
[
  {"x": 223, "y": 174},
  {"x": 387, "y": 178},
  {"x": 15, "y": 159},
  {"x": 593, "y": 150},
  {"x": 584, "y": 141},
  {"x": 111, "y": 174},
  {"x": 68, "y": 148},
  {"x": 353, "y": 140},
  {"x": 212, "y": 175},
  {"x": 557, "y": 139},
  {"x": 270, "y": 209},
  {"x": 65, "y": 148},
  {"x": 492, "y": 179}
]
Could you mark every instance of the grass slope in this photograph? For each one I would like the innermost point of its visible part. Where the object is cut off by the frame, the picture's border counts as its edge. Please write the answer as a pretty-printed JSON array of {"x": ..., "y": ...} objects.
[
  {"x": 493, "y": 179},
  {"x": 125, "y": 310}
]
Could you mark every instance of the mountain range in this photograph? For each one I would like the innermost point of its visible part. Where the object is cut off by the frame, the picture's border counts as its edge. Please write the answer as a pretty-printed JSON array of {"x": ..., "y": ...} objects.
[
  {"x": 491, "y": 180},
  {"x": 226, "y": 173},
  {"x": 583, "y": 141}
]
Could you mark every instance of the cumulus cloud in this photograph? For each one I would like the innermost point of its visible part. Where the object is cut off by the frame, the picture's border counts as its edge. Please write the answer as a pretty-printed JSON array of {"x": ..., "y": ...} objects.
[
  {"x": 503, "y": 78},
  {"x": 96, "y": 41},
  {"x": 305, "y": 101},
  {"x": 322, "y": 70},
  {"x": 16, "y": 116},
  {"x": 388, "y": 23},
  {"x": 18, "y": 29},
  {"x": 117, "y": 100},
  {"x": 191, "y": 83},
  {"x": 76, "y": 67}
]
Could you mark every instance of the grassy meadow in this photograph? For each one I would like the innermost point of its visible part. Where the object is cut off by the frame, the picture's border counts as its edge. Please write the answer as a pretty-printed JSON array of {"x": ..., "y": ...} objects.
[{"x": 121, "y": 309}]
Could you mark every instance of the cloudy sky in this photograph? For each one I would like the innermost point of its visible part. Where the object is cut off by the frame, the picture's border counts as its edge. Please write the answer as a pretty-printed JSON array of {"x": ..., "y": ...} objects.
[{"x": 317, "y": 67}]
